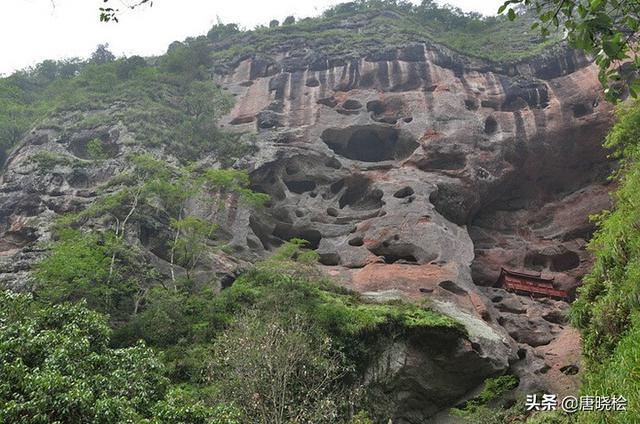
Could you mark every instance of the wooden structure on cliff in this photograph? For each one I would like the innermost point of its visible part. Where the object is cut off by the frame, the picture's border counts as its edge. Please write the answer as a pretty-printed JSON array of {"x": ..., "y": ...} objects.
[{"x": 532, "y": 285}]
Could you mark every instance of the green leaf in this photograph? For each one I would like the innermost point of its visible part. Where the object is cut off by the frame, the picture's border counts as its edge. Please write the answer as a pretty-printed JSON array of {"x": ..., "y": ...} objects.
[{"x": 511, "y": 14}]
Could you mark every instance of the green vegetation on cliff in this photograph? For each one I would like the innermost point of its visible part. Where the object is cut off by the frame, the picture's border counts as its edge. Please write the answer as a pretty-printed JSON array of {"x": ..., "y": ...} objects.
[
  {"x": 281, "y": 326},
  {"x": 167, "y": 102},
  {"x": 356, "y": 28},
  {"x": 608, "y": 306}
]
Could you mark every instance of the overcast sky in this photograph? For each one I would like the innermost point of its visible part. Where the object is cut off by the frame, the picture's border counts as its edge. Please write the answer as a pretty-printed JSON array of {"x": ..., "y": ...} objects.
[{"x": 34, "y": 30}]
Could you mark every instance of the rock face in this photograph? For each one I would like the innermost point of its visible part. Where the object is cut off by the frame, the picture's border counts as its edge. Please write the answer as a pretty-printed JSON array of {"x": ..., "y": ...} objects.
[
  {"x": 414, "y": 172},
  {"x": 419, "y": 173}
]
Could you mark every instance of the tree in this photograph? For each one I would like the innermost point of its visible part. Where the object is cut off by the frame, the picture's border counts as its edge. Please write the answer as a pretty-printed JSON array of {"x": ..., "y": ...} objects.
[
  {"x": 57, "y": 367},
  {"x": 605, "y": 29},
  {"x": 191, "y": 244},
  {"x": 289, "y": 20},
  {"x": 95, "y": 267},
  {"x": 102, "y": 55},
  {"x": 127, "y": 67},
  {"x": 277, "y": 372},
  {"x": 274, "y": 23},
  {"x": 221, "y": 31}
]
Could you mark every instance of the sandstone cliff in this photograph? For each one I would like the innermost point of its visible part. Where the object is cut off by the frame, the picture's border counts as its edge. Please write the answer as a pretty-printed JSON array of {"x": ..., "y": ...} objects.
[{"x": 415, "y": 172}]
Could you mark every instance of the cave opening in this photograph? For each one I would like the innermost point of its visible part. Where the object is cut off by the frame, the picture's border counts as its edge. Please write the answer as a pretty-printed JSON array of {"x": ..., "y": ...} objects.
[
  {"x": 360, "y": 196},
  {"x": 371, "y": 143},
  {"x": 301, "y": 186},
  {"x": 565, "y": 261},
  {"x": 286, "y": 232},
  {"x": 392, "y": 259},
  {"x": 403, "y": 192},
  {"x": 490, "y": 125}
]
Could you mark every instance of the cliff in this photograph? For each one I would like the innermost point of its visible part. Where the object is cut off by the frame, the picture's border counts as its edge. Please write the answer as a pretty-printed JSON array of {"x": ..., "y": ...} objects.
[{"x": 415, "y": 172}]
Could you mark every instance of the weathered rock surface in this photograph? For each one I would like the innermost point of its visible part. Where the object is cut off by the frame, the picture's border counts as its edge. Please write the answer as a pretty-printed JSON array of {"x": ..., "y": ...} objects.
[
  {"x": 414, "y": 172},
  {"x": 420, "y": 174}
]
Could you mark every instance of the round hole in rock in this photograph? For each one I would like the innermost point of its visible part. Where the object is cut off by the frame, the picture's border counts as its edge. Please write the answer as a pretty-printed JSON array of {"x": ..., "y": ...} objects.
[
  {"x": 565, "y": 261},
  {"x": 490, "y": 125},
  {"x": 522, "y": 353},
  {"x": 358, "y": 195},
  {"x": 535, "y": 261},
  {"x": 79, "y": 179},
  {"x": 328, "y": 101},
  {"x": 312, "y": 82},
  {"x": 471, "y": 104},
  {"x": 300, "y": 187},
  {"x": 329, "y": 259},
  {"x": 352, "y": 105},
  {"x": 287, "y": 232},
  {"x": 388, "y": 120},
  {"x": 356, "y": 241},
  {"x": 403, "y": 192},
  {"x": 442, "y": 160},
  {"x": 313, "y": 194},
  {"x": 333, "y": 163},
  {"x": 580, "y": 110},
  {"x": 376, "y": 106},
  {"x": 370, "y": 143},
  {"x": 452, "y": 287},
  {"x": 408, "y": 119},
  {"x": 292, "y": 168},
  {"x": 299, "y": 213},
  {"x": 390, "y": 258},
  {"x": 332, "y": 212},
  {"x": 101, "y": 147}
]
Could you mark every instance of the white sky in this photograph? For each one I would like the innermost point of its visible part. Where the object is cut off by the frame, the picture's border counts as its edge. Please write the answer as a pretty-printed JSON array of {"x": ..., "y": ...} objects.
[{"x": 35, "y": 30}]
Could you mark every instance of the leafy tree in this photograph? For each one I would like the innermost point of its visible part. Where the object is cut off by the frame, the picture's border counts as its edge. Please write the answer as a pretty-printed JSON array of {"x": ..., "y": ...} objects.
[
  {"x": 289, "y": 20},
  {"x": 57, "y": 367},
  {"x": 128, "y": 66},
  {"x": 102, "y": 55},
  {"x": 80, "y": 266},
  {"x": 221, "y": 31},
  {"x": 276, "y": 372},
  {"x": 606, "y": 29},
  {"x": 191, "y": 59},
  {"x": 274, "y": 23},
  {"x": 191, "y": 244}
]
